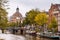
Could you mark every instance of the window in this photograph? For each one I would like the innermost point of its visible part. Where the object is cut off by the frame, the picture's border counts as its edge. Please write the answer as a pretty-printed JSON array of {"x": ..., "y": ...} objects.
[{"x": 59, "y": 7}]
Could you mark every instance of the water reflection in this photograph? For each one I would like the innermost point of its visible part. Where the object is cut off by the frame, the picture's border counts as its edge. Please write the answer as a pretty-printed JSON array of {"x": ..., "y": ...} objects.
[
  {"x": 11, "y": 37},
  {"x": 31, "y": 37},
  {"x": 22, "y": 37}
]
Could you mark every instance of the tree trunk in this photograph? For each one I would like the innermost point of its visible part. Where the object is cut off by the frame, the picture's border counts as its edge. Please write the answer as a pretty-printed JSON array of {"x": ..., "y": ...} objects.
[{"x": 2, "y": 30}]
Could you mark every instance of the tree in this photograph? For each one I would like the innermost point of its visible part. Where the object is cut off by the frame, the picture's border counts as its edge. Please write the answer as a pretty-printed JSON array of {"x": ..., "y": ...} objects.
[
  {"x": 3, "y": 14},
  {"x": 30, "y": 16},
  {"x": 2, "y": 3},
  {"x": 41, "y": 19},
  {"x": 3, "y": 17},
  {"x": 53, "y": 24}
]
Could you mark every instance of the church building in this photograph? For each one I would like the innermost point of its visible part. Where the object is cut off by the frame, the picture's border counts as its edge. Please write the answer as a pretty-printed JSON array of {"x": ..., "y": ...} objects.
[{"x": 16, "y": 17}]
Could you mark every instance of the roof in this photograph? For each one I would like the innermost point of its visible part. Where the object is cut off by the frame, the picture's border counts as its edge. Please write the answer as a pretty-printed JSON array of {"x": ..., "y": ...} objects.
[{"x": 18, "y": 14}]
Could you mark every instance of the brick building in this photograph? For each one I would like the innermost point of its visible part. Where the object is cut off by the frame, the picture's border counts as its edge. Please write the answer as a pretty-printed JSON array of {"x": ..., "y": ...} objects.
[{"x": 55, "y": 11}]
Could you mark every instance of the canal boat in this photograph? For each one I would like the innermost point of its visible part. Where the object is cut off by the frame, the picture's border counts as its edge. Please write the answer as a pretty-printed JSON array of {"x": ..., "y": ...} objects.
[{"x": 43, "y": 35}]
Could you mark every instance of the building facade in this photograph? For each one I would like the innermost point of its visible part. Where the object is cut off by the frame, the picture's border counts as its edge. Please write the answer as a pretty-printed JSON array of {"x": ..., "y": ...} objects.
[{"x": 55, "y": 11}]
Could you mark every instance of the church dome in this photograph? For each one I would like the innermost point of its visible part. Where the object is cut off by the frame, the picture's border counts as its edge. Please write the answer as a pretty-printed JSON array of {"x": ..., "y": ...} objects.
[{"x": 16, "y": 15}]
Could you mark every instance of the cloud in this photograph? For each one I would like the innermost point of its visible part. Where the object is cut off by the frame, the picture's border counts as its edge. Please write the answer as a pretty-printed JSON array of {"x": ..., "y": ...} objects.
[{"x": 26, "y": 5}]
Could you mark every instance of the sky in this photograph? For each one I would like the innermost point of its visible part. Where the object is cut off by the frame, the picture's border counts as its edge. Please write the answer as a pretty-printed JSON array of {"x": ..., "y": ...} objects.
[{"x": 26, "y": 5}]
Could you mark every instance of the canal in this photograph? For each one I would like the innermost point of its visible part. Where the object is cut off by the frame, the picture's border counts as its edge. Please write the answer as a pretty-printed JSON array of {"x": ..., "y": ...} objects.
[
  {"x": 32, "y": 37},
  {"x": 22, "y": 37}
]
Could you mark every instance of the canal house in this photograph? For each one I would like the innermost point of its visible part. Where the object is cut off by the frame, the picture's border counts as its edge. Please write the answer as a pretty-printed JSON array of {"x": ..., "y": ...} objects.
[{"x": 55, "y": 11}]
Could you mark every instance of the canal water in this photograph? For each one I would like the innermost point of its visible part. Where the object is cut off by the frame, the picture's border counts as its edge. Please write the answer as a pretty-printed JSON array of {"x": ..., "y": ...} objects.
[
  {"x": 32, "y": 37},
  {"x": 11, "y": 37},
  {"x": 22, "y": 37}
]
